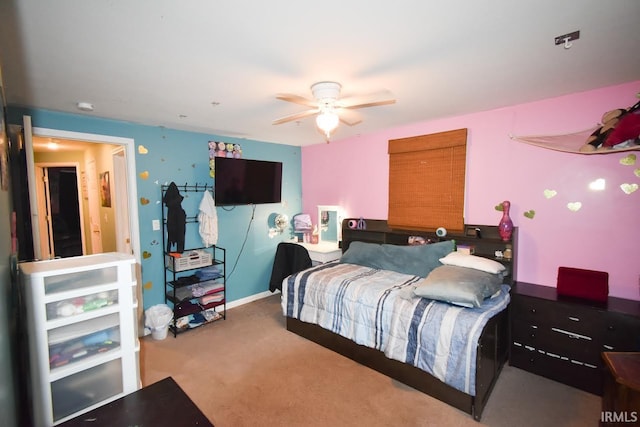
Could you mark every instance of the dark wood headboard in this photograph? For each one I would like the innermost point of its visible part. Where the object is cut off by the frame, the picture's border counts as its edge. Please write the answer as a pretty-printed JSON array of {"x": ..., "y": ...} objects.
[{"x": 483, "y": 238}]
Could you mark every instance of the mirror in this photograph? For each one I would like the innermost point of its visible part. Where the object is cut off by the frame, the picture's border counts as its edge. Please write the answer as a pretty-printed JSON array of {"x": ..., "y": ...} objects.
[{"x": 329, "y": 219}]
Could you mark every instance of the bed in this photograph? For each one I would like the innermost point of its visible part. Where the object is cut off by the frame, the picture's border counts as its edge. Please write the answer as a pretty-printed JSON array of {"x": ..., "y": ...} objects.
[{"x": 450, "y": 345}]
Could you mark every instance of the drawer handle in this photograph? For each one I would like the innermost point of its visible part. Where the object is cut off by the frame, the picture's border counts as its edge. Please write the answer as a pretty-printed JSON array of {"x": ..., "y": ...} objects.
[
  {"x": 571, "y": 334},
  {"x": 533, "y": 310},
  {"x": 575, "y": 319}
]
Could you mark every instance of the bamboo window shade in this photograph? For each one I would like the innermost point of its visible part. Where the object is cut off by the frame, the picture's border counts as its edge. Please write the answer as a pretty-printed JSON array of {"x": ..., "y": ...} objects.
[{"x": 427, "y": 180}]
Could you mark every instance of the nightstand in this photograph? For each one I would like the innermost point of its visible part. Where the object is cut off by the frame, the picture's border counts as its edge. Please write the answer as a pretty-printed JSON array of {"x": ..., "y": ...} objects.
[{"x": 322, "y": 252}]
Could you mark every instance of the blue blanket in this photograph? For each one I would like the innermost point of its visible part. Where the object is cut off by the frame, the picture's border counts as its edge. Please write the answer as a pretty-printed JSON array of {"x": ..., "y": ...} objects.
[{"x": 377, "y": 309}]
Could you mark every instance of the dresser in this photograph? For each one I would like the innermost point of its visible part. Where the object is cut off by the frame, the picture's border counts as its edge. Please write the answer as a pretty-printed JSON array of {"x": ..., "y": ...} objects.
[{"x": 563, "y": 338}]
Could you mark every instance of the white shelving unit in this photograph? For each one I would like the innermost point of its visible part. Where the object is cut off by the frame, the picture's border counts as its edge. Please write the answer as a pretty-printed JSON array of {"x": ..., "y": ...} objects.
[{"x": 83, "y": 340}]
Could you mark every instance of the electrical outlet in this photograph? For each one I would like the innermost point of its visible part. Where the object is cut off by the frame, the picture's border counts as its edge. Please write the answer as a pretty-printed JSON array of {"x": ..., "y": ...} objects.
[{"x": 155, "y": 224}]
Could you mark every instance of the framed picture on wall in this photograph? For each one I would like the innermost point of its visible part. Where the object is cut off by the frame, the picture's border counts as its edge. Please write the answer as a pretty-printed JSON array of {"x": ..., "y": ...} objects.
[{"x": 105, "y": 190}]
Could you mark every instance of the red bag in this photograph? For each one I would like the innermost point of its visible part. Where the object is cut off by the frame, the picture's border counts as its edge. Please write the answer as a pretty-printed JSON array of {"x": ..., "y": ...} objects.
[{"x": 588, "y": 284}]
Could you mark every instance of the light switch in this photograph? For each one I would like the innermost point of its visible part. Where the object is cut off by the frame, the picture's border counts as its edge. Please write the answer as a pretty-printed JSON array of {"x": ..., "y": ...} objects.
[{"x": 155, "y": 223}]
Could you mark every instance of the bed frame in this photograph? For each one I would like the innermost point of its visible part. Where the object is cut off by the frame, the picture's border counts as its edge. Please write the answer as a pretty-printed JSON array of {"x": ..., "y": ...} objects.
[{"x": 493, "y": 343}]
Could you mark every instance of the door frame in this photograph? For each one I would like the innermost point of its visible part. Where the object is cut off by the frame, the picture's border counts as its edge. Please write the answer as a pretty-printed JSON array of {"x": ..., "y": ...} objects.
[{"x": 129, "y": 147}]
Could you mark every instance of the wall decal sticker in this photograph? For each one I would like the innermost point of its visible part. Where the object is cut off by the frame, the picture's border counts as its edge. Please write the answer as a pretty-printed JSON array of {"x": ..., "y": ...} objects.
[
  {"x": 574, "y": 206},
  {"x": 550, "y": 193},
  {"x": 142, "y": 149},
  {"x": 530, "y": 214},
  {"x": 629, "y": 188},
  {"x": 144, "y": 201},
  {"x": 148, "y": 285},
  {"x": 628, "y": 160},
  {"x": 144, "y": 174},
  {"x": 146, "y": 255}
]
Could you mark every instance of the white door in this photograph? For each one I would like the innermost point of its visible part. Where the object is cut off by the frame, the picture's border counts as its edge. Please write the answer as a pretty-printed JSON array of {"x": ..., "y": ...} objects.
[
  {"x": 121, "y": 202},
  {"x": 93, "y": 193},
  {"x": 44, "y": 213}
]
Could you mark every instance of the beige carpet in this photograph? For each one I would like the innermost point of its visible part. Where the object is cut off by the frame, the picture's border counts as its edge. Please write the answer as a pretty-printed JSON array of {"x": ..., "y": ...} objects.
[{"x": 248, "y": 370}]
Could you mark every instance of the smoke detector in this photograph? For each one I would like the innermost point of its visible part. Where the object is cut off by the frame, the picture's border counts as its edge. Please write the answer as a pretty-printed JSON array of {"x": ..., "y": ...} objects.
[{"x": 85, "y": 106}]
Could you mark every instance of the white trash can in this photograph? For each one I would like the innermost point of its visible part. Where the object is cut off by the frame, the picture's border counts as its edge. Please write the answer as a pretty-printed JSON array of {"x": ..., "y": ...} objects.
[{"x": 157, "y": 319}]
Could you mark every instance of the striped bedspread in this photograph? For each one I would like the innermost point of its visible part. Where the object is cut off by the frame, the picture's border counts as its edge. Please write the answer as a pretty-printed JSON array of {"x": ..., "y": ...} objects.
[{"x": 377, "y": 309}]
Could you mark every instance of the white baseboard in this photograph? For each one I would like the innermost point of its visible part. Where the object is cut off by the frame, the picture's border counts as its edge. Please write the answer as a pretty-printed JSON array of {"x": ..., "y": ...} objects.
[{"x": 249, "y": 299}]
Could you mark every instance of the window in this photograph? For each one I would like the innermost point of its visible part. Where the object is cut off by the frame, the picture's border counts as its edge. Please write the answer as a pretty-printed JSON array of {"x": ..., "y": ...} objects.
[{"x": 427, "y": 180}]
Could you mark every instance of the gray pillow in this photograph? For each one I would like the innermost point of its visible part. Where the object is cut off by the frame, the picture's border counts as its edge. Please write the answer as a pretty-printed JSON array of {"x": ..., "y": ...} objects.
[
  {"x": 463, "y": 286},
  {"x": 414, "y": 260}
]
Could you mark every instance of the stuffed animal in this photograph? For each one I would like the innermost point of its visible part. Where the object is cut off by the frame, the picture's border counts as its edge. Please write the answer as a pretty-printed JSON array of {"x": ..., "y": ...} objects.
[{"x": 618, "y": 126}]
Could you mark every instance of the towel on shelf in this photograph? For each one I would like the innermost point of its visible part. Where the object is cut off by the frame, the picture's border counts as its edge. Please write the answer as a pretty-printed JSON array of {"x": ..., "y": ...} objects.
[
  {"x": 208, "y": 299},
  {"x": 209, "y": 273},
  {"x": 208, "y": 219}
]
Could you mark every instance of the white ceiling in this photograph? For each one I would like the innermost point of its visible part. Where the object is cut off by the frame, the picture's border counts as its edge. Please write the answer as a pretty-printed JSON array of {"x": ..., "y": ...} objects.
[{"x": 167, "y": 62}]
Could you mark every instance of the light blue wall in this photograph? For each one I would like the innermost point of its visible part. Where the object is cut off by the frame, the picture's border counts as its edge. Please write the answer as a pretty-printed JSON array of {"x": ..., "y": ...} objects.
[{"x": 182, "y": 157}]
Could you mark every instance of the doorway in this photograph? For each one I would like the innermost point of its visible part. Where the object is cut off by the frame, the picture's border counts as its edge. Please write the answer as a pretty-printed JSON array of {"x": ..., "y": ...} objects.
[
  {"x": 61, "y": 228},
  {"x": 124, "y": 145}
]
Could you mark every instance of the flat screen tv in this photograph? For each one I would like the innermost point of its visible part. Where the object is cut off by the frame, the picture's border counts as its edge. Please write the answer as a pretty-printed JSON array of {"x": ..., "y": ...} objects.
[{"x": 247, "y": 182}]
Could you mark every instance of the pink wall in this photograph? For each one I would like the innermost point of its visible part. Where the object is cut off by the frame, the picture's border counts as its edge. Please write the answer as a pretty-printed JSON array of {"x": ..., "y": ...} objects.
[{"x": 603, "y": 235}]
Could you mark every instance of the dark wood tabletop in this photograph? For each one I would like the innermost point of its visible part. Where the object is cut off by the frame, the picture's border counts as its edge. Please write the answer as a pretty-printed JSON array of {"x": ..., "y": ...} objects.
[
  {"x": 160, "y": 404},
  {"x": 624, "y": 367}
]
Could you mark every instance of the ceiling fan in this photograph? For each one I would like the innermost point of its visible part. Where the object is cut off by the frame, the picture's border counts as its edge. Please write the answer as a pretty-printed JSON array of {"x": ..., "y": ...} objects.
[{"x": 329, "y": 108}]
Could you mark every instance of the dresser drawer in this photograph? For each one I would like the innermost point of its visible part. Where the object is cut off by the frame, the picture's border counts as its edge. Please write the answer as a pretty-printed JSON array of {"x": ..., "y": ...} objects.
[
  {"x": 569, "y": 318},
  {"x": 551, "y": 340},
  {"x": 558, "y": 369}
]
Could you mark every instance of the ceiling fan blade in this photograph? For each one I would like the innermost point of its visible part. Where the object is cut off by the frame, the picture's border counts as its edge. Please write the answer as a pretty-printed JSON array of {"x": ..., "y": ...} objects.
[
  {"x": 296, "y": 116},
  {"x": 372, "y": 104},
  {"x": 297, "y": 99},
  {"x": 371, "y": 100},
  {"x": 349, "y": 117}
]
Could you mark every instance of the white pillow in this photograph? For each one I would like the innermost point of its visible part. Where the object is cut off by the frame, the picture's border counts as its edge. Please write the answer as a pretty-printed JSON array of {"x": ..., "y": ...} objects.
[{"x": 472, "y": 261}]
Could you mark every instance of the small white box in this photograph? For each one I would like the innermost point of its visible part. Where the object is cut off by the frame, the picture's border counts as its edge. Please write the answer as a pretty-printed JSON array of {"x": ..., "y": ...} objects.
[{"x": 466, "y": 249}]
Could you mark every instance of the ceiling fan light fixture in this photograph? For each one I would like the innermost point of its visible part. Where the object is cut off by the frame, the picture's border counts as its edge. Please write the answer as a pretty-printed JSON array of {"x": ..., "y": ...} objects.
[
  {"x": 326, "y": 90},
  {"x": 327, "y": 122}
]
